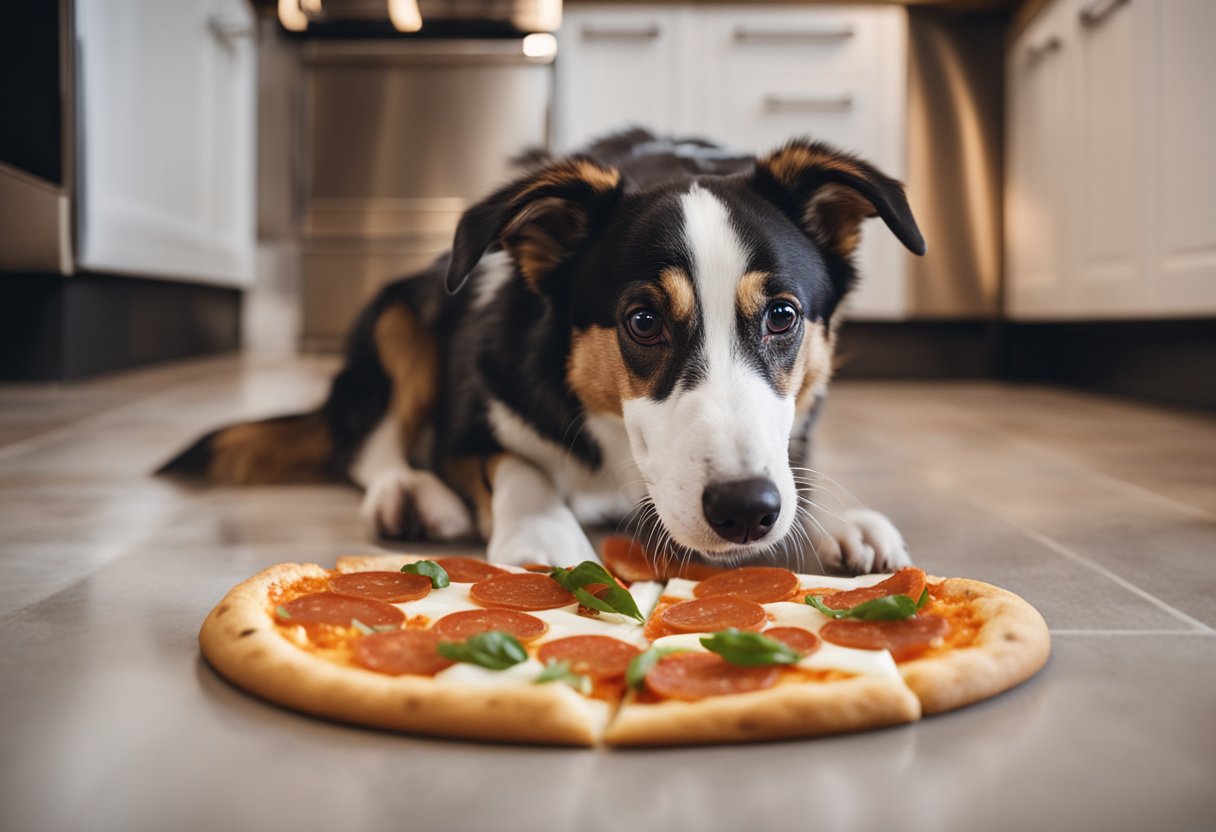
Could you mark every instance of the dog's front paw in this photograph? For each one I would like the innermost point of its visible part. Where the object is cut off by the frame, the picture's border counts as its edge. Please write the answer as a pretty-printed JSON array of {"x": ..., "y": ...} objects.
[
  {"x": 414, "y": 505},
  {"x": 540, "y": 541},
  {"x": 859, "y": 541}
]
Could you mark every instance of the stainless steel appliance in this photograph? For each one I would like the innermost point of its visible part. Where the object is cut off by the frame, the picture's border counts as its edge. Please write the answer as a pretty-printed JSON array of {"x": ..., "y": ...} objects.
[
  {"x": 398, "y": 135},
  {"x": 401, "y": 136}
]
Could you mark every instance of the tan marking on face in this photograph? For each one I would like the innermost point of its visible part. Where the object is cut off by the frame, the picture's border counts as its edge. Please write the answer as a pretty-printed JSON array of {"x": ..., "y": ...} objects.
[
  {"x": 681, "y": 300},
  {"x": 751, "y": 297},
  {"x": 813, "y": 368},
  {"x": 410, "y": 358},
  {"x": 597, "y": 374}
]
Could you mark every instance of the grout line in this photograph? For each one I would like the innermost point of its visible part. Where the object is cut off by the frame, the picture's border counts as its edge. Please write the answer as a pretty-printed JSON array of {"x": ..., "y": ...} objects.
[
  {"x": 1061, "y": 549},
  {"x": 1201, "y": 633},
  {"x": 104, "y": 416},
  {"x": 1032, "y": 448}
]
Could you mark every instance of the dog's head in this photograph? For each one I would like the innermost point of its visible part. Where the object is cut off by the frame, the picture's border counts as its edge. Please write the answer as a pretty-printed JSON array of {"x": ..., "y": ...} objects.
[{"x": 700, "y": 311}]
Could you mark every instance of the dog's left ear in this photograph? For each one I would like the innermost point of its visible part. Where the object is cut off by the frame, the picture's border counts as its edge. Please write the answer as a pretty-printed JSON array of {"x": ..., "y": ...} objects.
[
  {"x": 829, "y": 193},
  {"x": 540, "y": 219}
]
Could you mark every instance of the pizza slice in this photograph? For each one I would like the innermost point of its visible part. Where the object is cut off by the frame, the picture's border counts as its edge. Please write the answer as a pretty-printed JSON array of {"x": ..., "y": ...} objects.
[{"x": 863, "y": 652}]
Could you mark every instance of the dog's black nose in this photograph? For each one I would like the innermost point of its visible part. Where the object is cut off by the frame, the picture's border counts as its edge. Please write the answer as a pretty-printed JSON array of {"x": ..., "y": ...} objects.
[{"x": 742, "y": 510}]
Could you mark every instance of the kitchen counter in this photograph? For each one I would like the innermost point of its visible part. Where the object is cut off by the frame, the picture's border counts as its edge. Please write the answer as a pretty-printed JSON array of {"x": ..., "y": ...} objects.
[{"x": 1100, "y": 513}]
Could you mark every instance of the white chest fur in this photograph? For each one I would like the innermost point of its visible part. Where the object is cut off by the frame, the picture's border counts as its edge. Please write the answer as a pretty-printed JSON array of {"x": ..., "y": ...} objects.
[{"x": 604, "y": 495}]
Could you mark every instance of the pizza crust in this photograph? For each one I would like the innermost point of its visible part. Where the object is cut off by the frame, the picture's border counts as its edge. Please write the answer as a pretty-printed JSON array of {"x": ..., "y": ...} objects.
[
  {"x": 377, "y": 563},
  {"x": 1013, "y": 644},
  {"x": 242, "y": 642},
  {"x": 786, "y": 711}
]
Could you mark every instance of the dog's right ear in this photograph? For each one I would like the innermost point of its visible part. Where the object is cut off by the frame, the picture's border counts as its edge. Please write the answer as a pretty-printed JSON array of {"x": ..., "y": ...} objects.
[{"x": 540, "y": 219}]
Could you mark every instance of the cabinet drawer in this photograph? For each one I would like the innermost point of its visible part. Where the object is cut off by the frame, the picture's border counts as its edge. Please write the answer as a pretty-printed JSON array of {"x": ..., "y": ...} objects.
[
  {"x": 826, "y": 40},
  {"x": 759, "y": 110}
]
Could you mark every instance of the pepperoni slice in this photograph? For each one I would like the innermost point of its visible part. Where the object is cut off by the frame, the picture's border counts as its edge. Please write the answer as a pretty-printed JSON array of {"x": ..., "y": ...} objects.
[
  {"x": 392, "y": 587},
  {"x": 762, "y": 584},
  {"x": 412, "y": 652},
  {"x": 628, "y": 560},
  {"x": 468, "y": 570},
  {"x": 908, "y": 581},
  {"x": 692, "y": 676},
  {"x": 717, "y": 612},
  {"x": 600, "y": 657},
  {"x": 520, "y": 591},
  {"x": 795, "y": 638},
  {"x": 332, "y": 608},
  {"x": 905, "y": 639},
  {"x": 458, "y": 626}
]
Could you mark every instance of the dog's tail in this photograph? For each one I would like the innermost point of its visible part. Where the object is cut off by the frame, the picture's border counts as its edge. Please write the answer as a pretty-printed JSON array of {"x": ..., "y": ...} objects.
[{"x": 284, "y": 449}]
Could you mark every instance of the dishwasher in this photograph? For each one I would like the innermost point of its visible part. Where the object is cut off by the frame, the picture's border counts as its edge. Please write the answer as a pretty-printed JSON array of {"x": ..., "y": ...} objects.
[{"x": 400, "y": 135}]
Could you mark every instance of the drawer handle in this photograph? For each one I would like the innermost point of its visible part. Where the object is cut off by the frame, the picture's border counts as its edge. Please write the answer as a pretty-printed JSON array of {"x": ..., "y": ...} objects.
[
  {"x": 1093, "y": 14},
  {"x": 621, "y": 33},
  {"x": 745, "y": 35},
  {"x": 810, "y": 104},
  {"x": 1040, "y": 51}
]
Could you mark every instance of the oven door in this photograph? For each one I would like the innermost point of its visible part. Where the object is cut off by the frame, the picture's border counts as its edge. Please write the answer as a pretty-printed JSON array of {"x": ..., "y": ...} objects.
[{"x": 401, "y": 136}]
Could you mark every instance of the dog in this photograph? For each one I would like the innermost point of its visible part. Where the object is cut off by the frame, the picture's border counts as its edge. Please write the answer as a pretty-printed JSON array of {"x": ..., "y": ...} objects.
[{"x": 643, "y": 329}]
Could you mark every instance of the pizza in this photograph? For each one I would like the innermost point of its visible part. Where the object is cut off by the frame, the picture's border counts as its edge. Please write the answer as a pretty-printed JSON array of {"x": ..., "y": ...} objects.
[{"x": 457, "y": 647}]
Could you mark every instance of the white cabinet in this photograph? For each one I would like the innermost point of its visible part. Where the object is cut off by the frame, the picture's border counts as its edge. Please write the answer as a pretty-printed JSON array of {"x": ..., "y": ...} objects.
[
  {"x": 616, "y": 67},
  {"x": 166, "y": 147},
  {"x": 1110, "y": 174},
  {"x": 1181, "y": 161},
  {"x": 751, "y": 77}
]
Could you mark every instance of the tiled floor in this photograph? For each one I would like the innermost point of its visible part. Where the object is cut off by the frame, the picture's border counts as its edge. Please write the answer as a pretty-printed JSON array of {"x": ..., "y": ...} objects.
[{"x": 1103, "y": 514}]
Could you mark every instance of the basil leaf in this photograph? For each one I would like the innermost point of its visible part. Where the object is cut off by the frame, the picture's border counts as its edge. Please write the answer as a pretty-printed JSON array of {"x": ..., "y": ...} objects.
[
  {"x": 887, "y": 608},
  {"x": 616, "y": 599},
  {"x": 559, "y": 671},
  {"x": 494, "y": 649},
  {"x": 281, "y": 612},
  {"x": 749, "y": 649},
  {"x": 361, "y": 627},
  {"x": 641, "y": 664},
  {"x": 432, "y": 570}
]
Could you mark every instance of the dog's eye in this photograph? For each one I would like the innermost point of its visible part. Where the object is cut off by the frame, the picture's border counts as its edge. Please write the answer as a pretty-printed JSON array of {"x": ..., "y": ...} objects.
[
  {"x": 780, "y": 316},
  {"x": 644, "y": 325}
]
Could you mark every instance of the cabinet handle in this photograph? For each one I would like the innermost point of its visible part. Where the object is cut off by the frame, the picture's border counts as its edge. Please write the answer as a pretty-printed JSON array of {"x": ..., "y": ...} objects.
[
  {"x": 622, "y": 33},
  {"x": 1099, "y": 10},
  {"x": 1040, "y": 51},
  {"x": 745, "y": 35},
  {"x": 811, "y": 104},
  {"x": 228, "y": 32}
]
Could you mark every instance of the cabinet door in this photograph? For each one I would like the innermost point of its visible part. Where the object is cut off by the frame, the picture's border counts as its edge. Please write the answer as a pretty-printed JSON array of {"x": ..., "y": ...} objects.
[
  {"x": 767, "y": 75},
  {"x": 1110, "y": 55},
  {"x": 1039, "y": 117},
  {"x": 616, "y": 67},
  {"x": 1182, "y": 275},
  {"x": 166, "y": 138}
]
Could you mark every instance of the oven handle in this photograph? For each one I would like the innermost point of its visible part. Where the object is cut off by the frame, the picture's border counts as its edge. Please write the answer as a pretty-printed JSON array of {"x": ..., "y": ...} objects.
[{"x": 467, "y": 51}]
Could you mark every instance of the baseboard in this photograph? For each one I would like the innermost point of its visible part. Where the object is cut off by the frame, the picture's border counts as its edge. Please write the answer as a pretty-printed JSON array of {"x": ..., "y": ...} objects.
[
  {"x": 919, "y": 350},
  {"x": 58, "y": 328},
  {"x": 1169, "y": 362}
]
